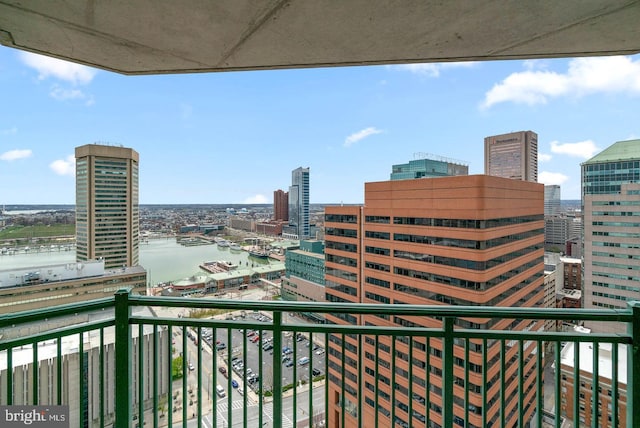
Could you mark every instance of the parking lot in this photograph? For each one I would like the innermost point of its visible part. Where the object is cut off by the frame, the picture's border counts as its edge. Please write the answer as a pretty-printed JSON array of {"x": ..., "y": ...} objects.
[{"x": 250, "y": 355}]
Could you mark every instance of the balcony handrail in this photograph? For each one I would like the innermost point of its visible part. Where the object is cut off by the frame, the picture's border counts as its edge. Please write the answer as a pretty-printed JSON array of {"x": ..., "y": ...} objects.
[{"x": 123, "y": 318}]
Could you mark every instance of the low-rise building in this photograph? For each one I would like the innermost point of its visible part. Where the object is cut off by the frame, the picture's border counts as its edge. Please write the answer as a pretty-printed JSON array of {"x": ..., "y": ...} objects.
[
  {"x": 606, "y": 379},
  {"x": 39, "y": 287}
]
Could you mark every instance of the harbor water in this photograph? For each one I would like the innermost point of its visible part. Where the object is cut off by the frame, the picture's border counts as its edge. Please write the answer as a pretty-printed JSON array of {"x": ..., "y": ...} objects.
[{"x": 164, "y": 259}]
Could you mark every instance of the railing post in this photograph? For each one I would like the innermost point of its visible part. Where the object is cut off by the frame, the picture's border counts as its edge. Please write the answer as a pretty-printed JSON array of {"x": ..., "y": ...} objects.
[
  {"x": 123, "y": 359},
  {"x": 633, "y": 368},
  {"x": 277, "y": 369},
  {"x": 447, "y": 373}
]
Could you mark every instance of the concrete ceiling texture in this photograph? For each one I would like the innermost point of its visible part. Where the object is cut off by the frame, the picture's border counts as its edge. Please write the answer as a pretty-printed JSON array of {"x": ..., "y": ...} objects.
[{"x": 181, "y": 36}]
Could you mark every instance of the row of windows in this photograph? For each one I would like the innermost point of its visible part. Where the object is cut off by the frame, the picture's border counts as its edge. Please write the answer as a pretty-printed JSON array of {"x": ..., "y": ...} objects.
[
  {"x": 615, "y": 203},
  {"x": 331, "y": 285},
  {"x": 615, "y": 223},
  {"x": 466, "y": 224},
  {"x": 615, "y": 265},
  {"x": 616, "y": 286},
  {"x": 466, "y": 264},
  {"x": 349, "y": 233},
  {"x": 616, "y": 244},
  {"x": 466, "y": 243},
  {"x": 617, "y": 234},
  {"x": 463, "y": 283},
  {"x": 616, "y": 213},
  {"x": 341, "y": 218},
  {"x": 341, "y": 246},
  {"x": 339, "y": 273},
  {"x": 616, "y": 276},
  {"x": 616, "y": 255}
]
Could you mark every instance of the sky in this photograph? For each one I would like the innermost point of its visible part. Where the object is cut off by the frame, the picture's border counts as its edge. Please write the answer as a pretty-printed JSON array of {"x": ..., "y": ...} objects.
[{"x": 235, "y": 137}]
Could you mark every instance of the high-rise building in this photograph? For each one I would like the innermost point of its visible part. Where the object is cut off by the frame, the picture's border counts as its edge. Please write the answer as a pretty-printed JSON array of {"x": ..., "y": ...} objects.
[
  {"x": 465, "y": 240},
  {"x": 552, "y": 199},
  {"x": 611, "y": 209},
  {"x": 513, "y": 155},
  {"x": 426, "y": 165},
  {"x": 107, "y": 217},
  {"x": 280, "y": 205},
  {"x": 299, "y": 202}
]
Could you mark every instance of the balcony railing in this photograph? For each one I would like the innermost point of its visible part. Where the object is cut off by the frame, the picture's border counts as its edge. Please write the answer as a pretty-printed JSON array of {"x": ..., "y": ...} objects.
[{"x": 171, "y": 365}]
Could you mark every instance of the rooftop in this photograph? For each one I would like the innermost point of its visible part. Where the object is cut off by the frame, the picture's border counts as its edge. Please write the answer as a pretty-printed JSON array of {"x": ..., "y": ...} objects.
[{"x": 622, "y": 150}]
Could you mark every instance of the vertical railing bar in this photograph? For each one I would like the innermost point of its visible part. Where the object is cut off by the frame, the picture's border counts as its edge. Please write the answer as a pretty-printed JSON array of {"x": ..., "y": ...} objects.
[
  {"x": 376, "y": 380},
  {"x": 82, "y": 384},
  {"x": 102, "y": 383},
  {"x": 199, "y": 369},
  {"x": 10, "y": 377},
  {"x": 214, "y": 379},
  {"x": 539, "y": 382},
  {"x": 58, "y": 369},
  {"x": 156, "y": 373},
  {"x": 393, "y": 379},
  {"x": 169, "y": 376},
  {"x": 447, "y": 371},
  {"x": 311, "y": 377},
  {"x": 521, "y": 383},
  {"x": 123, "y": 359},
  {"x": 295, "y": 376},
  {"x": 557, "y": 386},
  {"x": 503, "y": 367},
  {"x": 614, "y": 385},
  {"x": 576, "y": 380},
  {"x": 277, "y": 369},
  {"x": 484, "y": 382},
  {"x": 633, "y": 367},
  {"x": 244, "y": 380},
  {"x": 410, "y": 380},
  {"x": 427, "y": 384},
  {"x": 276, "y": 352},
  {"x": 185, "y": 357},
  {"x": 230, "y": 378},
  {"x": 595, "y": 393},
  {"x": 141, "y": 376},
  {"x": 326, "y": 376},
  {"x": 467, "y": 344},
  {"x": 342, "y": 386},
  {"x": 35, "y": 366}
]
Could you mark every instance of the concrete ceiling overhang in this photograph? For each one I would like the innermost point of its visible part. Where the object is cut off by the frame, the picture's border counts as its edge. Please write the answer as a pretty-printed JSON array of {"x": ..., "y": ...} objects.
[{"x": 165, "y": 36}]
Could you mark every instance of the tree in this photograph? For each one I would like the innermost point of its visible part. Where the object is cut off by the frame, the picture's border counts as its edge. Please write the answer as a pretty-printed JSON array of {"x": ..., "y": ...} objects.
[{"x": 176, "y": 368}]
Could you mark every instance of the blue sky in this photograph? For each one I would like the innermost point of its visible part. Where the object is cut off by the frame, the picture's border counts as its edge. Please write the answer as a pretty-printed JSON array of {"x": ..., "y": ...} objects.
[{"x": 235, "y": 137}]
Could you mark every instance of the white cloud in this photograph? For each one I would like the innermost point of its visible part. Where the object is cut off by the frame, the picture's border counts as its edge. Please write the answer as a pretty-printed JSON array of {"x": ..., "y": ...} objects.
[
  {"x": 256, "y": 199},
  {"x": 357, "y": 136},
  {"x": 9, "y": 131},
  {"x": 433, "y": 69},
  {"x": 583, "y": 149},
  {"x": 544, "y": 157},
  {"x": 64, "y": 166},
  {"x": 584, "y": 76},
  {"x": 549, "y": 178},
  {"x": 12, "y": 155},
  {"x": 59, "y": 69},
  {"x": 62, "y": 94}
]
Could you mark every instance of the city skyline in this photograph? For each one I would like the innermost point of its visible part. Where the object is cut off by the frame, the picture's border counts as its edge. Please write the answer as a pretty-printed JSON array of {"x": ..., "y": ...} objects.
[{"x": 234, "y": 137}]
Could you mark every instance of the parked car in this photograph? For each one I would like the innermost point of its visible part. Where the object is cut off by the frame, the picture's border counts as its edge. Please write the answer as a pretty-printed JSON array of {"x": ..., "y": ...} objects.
[
  {"x": 223, "y": 370},
  {"x": 316, "y": 372},
  {"x": 234, "y": 383}
]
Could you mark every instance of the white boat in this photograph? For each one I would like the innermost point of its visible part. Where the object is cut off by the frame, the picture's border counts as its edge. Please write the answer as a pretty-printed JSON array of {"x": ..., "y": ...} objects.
[
  {"x": 235, "y": 247},
  {"x": 223, "y": 243}
]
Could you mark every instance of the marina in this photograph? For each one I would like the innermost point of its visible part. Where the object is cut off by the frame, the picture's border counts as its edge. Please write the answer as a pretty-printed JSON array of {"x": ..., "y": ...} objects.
[{"x": 164, "y": 259}]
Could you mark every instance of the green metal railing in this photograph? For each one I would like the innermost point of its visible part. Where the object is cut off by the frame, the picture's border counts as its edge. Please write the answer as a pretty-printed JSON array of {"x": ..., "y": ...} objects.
[{"x": 125, "y": 368}]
